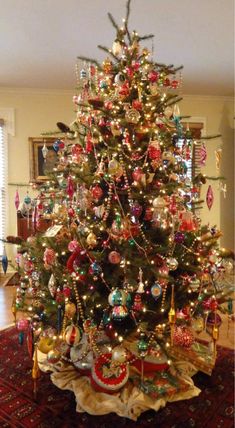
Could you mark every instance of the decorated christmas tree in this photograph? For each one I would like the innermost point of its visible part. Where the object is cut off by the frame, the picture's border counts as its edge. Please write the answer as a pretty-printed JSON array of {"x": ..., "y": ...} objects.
[{"x": 116, "y": 291}]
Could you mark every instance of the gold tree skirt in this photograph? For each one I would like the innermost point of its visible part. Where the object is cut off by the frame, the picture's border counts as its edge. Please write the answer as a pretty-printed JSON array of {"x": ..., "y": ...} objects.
[{"x": 129, "y": 402}]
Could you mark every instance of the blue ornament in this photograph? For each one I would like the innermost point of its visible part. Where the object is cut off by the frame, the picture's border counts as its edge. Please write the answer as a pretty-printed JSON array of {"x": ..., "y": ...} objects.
[
  {"x": 4, "y": 263},
  {"x": 56, "y": 146},
  {"x": 117, "y": 297},
  {"x": 83, "y": 74},
  {"x": 21, "y": 337},
  {"x": 103, "y": 84},
  {"x": 95, "y": 268},
  {"x": 27, "y": 200},
  {"x": 156, "y": 290}
]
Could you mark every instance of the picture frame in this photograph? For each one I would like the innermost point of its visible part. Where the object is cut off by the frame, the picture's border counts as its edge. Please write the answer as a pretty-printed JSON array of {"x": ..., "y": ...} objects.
[{"x": 38, "y": 166}]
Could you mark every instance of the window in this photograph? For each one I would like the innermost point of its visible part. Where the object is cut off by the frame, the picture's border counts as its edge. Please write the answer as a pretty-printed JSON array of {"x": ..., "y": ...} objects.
[
  {"x": 3, "y": 184},
  {"x": 193, "y": 162}
]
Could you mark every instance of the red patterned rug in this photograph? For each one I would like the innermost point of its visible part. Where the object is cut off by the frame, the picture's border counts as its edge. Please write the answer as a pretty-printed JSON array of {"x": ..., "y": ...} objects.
[{"x": 213, "y": 408}]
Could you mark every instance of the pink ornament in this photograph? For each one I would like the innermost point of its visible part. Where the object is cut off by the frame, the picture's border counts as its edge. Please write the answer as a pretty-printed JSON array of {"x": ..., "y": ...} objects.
[
  {"x": 17, "y": 199},
  {"x": 114, "y": 257},
  {"x": 70, "y": 187},
  {"x": 209, "y": 197},
  {"x": 73, "y": 246},
  {"x": 71, "y": 212},
  {"x": 22, "y": 324},
  {"x": 76, "y": 152},
  {"x": 137, "y": 174},
  {"x": 136, "y": 210},
  {"x": 202, "y": 155},
  {"x": 49, "y": 256}
]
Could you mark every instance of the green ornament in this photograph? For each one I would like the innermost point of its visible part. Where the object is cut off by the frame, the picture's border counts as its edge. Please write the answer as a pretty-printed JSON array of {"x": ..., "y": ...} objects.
[{"x": 142, "y": 345}]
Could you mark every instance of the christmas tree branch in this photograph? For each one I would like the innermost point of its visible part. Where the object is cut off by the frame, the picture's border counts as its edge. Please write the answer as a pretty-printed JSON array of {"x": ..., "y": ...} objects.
[
  {"x": 112, "y": 20},
  {"x": 91, "y": 60},
  {"x": 108, "y": 51}
]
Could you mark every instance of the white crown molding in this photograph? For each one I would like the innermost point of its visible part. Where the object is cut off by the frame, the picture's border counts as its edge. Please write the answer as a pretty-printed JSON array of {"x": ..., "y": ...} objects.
[
  {"x": 208, "y": 97},
  {"x": 8, "y": 115}
]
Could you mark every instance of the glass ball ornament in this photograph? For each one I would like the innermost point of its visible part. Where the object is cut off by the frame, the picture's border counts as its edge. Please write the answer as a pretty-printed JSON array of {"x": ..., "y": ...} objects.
[
  {"x": 70, "y": 310},
  {"x": 119, "y": 354},
  {"x": 194, "y": 284},
  {"x": 53, "y": 356},
  {"x": 179, "y": 237},
  {"x": 119, "y": 313},
  {"x": 137, "y": 174},
  {"x": 117, "y": 297},
  {"x": 172, "y": 263},
  {"x": 119, "y": 79},
  {"x": 159, "y": 203},
  {"x": 95, "y": 268},
  {"x": 22, "y": 324},
  {"x": 114, "y": 257},
  {"x": 156, "y": 290},
  {"x": 132, "y": 116},
  {"x": 136, "y": 210},
  {"x": 113, "y": 167},
  {"x": 91, "y": 240},
  {"x": 80, "y": 359},
  {"x": 72, "y": 335}
]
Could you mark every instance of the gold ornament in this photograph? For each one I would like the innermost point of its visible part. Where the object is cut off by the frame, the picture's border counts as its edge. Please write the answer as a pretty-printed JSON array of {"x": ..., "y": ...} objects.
[
  {"x": 91, "y": 240},
  {"x": 70, "y": 310},
  {"x": 46, "y": 344},
  {"x": 132, "y": 116},
  {"x": 117, "y": 48},
  {"x": 107, "y": 66}
]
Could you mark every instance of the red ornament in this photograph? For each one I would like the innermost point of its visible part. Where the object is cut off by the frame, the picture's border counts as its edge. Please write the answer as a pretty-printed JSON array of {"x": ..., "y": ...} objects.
[
  {"x": 137, "y": 105},
  {"x": 76, "y": 151},
  {"x": 154, "y": 151},
  {"x": 167, "y": 82},
  {"x": 97, "y": 192},
  {"x": 137, "y": 174},
  {"x": 173, "y": 206},
  {"x": 49, "y": 256},
  {"x": 108, "y": 105},
  {"x": 137, "y": 305},
  {"x": 70, "y": 187},
  {"x": 114, "y": 257},
  {"x": 209, "y": 197},
  {"x": 183, "y": 337},
  {"x": 106, "y": 377},
  {"x": 148, "y": 214},
  {"x": 153, "y": 76},
  {"x": 71, "y": 212},
  {"x": 174, "y": 84}
]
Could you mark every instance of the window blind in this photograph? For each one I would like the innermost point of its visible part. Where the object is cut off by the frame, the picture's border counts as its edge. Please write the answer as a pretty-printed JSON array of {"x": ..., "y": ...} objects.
[{"x": 3, "y": 184}]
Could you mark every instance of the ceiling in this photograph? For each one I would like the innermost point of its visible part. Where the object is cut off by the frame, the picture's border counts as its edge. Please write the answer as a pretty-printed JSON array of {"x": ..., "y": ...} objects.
[{"x": 40, "y": 39}]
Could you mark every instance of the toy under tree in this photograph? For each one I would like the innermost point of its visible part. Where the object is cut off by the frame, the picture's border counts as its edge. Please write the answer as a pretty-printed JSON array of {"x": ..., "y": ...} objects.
[{"x": 116, "y": 291}]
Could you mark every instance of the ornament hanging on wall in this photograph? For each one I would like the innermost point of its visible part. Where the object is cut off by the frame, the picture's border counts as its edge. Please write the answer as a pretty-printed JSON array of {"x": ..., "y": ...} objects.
[
  {"x": 4, "y": 261},
  {"x": 218, "y": 155},
  {"x": 17, "y": 199},
  {"x": 209, "y": 197},
  {"x": 202, "y": 155}
]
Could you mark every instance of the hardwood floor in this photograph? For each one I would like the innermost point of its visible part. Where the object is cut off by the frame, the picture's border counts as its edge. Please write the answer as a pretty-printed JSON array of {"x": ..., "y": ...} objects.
[{"x": 226, "y": 336}]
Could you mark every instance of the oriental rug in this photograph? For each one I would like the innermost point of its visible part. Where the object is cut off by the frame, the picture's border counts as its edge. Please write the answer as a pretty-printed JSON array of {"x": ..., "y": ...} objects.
[{"x": 213, "y": 408}]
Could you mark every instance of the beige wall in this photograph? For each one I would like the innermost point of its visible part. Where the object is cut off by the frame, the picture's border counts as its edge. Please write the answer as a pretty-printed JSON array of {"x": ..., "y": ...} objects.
[{"x": 37, "y": 111}]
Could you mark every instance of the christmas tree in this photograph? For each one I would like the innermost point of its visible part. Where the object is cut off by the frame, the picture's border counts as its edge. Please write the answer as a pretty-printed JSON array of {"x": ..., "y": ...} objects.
[{"x": 125, "y": 278}]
